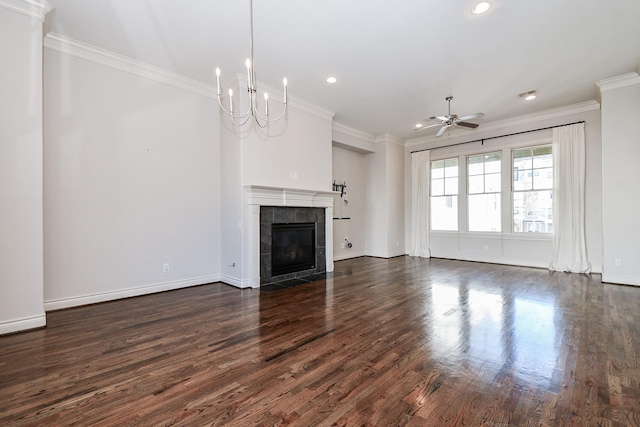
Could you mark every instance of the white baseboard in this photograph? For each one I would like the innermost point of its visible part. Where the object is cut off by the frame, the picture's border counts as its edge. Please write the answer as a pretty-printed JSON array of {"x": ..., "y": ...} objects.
[
  {"x": 489, "y": 260},
  {"x": 127, "y": 293},
  {"x": 386, "y": 255},
  {"x": 234, "y": 281},
  {"x": 620, "y": 280},
  {"x": 17, "y": 325},
  {"x": 347, "y": 255}
]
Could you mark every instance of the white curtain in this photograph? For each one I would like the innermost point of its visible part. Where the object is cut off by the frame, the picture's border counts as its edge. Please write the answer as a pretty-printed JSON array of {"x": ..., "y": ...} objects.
[
  {"x": 570, "y": 251},
  {"x": 420, "y": 204}
]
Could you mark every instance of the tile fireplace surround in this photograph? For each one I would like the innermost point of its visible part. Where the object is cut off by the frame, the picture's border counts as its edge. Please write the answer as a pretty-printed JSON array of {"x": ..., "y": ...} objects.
[{"x": 257, "y": 197}]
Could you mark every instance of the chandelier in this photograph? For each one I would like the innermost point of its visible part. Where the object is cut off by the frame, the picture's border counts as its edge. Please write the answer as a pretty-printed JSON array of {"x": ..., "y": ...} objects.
[{"x": 252, "y": 89}]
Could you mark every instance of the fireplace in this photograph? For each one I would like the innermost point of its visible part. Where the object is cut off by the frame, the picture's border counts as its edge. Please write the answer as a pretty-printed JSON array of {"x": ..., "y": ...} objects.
[
  {"x": 271, "y": 205},
  {"x": 292, "y": 243},
  {"x": 293, "y": 247}
]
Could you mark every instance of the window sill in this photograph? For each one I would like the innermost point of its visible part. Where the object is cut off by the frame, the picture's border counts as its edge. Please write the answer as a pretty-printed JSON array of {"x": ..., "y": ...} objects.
[{"x": 494, "y": 235}]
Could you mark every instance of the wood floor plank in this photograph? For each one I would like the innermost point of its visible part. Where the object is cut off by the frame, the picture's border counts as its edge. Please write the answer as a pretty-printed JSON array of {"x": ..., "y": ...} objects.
[{"x": 401, "y": 342}]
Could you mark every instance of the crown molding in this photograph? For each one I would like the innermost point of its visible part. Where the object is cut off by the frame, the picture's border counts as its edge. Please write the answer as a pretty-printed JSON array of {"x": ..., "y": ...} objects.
[
  {"x": 553, "y": 113},
  {"x": 384, "y": 138},
  {"x": 36, "y": 9},
  {"x": 618, "y": 82},
  {"x": 78, "y": 49},
  {"x": 356, "y": 133},
  {"x": 66, "y": 45},
  {"x": 343, "y": 136}
]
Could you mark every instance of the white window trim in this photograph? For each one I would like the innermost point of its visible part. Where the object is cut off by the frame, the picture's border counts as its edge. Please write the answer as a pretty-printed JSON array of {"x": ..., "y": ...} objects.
[{"x": 462, "y": 153}]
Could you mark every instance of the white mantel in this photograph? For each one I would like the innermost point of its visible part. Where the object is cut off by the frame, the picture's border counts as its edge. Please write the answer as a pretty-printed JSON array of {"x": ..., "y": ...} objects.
[{"x": 256, "y": 196}]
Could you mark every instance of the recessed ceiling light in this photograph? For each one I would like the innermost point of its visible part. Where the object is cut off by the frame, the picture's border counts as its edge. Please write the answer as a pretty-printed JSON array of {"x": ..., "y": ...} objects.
[
  {"x": 331, "y": 80},
  {"x": 481, "y": 8},
  {"x": 529, "y": 95},
  {"x": 418, "y": 125}
]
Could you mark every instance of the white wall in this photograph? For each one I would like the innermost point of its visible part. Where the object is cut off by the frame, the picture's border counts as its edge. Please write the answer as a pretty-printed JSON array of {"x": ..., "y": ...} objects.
[
  {"x": 376, "y": 218},
  {"x": 231, "y": 202},
  {"x": 294, "y": 152},
  {"x": 21, "y": 241},
  {"x": 507, "y": 247},
  {"x": 132, "y": 182},
  {"x": 385, "y": 225},
  {"x": 620, "y": 177},
  {"x": 395, "y": 198},
  {"x": 350, "y": 167}
]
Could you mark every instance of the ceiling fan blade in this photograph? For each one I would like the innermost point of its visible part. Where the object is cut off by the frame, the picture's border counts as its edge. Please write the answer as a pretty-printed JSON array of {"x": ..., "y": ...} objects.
[
  {"x": 468, "y": 125},
  {"x": 442, "y": 130},
  {"x": 427, "y": 127},
  {"x": 471, "y": 116},
  {"x": 443, "y": 118}
]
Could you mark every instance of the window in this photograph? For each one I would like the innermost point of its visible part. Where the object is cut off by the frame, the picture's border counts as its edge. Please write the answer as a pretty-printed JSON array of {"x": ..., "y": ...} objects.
[
  {"x": 532, "y": 190},
  {"x": 444, "y": 194},
  {"x": 484, "y": 189}
]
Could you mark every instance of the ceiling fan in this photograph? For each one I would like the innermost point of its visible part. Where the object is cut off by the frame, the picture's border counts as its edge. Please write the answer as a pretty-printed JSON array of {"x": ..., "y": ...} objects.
[{"x": 451, "y": 120}]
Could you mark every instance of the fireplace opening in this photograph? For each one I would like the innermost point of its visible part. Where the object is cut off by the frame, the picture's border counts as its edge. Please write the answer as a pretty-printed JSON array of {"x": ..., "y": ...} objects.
[{"x": 293, "y": 247}]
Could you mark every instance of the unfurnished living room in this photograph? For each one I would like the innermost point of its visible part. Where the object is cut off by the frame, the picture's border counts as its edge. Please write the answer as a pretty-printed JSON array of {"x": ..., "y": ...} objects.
[{"x": 362, "y": 213}]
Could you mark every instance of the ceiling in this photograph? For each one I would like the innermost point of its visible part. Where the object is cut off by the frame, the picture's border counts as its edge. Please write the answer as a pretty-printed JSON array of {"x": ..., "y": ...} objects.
[{"x": 395, "y": 61}]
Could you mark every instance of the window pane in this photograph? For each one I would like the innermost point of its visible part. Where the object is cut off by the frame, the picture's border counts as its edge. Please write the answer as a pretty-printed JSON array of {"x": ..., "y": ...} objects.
[
  {"x": 476, "y": 184},
  {"x": 451, "y": 185},
  {"x": 444, "y": 190},
  {"x": 437, "y": 187},
  {"x": 444, "y": 213},
  {"x": 451, "y": 167},
  {"x": 521, "y": 181},
  {"x": 532, "y": 186},
  {"x": 532, "y": 212},
  {"x": 522, "y": 163},
  {"x": 492, "y": 183},
  {"x": 475, "y": 165},
  {"x": 543, "y": 179},
  {"x": 437, "y": 169},
  {"x": 523, "y": 153},
  {"x": 484, "y": 212},
  {"x": 542, "y": 157},
  {"x": 492, "y": 163}
]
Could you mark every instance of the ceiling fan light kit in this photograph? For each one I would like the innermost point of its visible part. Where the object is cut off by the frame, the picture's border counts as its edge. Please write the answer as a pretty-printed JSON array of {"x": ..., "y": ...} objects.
[{"x": 450, "y": 120}]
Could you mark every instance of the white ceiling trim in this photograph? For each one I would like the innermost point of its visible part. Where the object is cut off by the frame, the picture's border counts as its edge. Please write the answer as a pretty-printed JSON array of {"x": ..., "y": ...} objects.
[
  {"x": 618, "y": 82},
  {"x": 342, "y": 128},
  {"x": 91, "y": 53},
  {"x": 553, "y": 113},
  {"x": 384, "y": 138},
  {"x": 343, "y": 136},
  {"x": 36, "y": 9}
]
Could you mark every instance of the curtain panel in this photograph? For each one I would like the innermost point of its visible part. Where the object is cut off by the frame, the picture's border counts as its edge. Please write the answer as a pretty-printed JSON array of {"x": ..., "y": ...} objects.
[
  {"x": 420, "y": 165},
  {"x": 569, "y": 236}
]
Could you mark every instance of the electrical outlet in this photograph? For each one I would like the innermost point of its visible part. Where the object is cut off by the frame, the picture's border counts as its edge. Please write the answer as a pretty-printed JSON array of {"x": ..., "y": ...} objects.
[
  {"x": 617, "y": 261},
  {"x": 166, "y": 268},
  {"x": 485, "y": 248}
]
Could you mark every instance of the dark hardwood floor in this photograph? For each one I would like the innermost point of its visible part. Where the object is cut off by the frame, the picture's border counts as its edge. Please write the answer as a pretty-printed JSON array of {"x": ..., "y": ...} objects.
[{"x": 381, "y": 343}]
